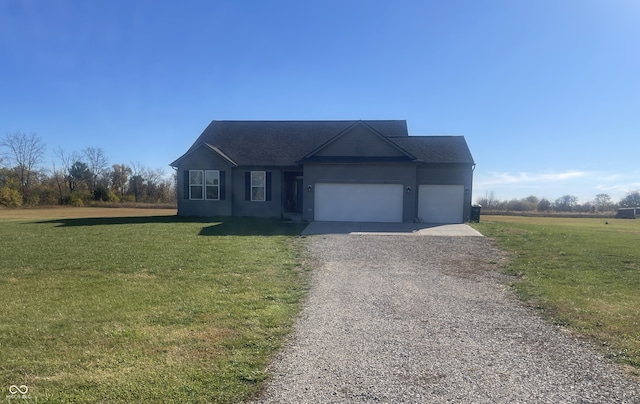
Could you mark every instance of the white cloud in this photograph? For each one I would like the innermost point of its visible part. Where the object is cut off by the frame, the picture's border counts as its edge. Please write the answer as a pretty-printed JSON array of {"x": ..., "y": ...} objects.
[
  {"x": 506, "y": 178},
  {"x": 583, "y": 184},
  {"x": 622, "y": 188}
]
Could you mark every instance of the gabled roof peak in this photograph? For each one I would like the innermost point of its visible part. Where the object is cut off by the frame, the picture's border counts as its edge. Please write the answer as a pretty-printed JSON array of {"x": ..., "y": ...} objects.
[
  {"x": 285, "y": 142},
  {"x": 355, "y": 146}
]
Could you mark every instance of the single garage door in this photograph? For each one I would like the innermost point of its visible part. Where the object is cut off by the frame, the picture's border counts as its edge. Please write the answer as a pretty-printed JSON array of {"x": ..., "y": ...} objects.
[
  {"x": 441, "y": 203},
  {"x": 358, "y": 202}
]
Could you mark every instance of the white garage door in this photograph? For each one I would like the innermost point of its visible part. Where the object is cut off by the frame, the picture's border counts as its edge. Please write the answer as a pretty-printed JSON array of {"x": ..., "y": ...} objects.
[
  {"x": 441, "y": 203},
  {"x": 358, "y": 202}
]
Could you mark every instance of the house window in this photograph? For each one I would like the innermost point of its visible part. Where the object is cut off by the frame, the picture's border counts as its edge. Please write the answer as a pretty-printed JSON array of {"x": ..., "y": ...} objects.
[
  {"x": 212, "y": 184},
  {"x": 196, "y": 184},
  {"x": 206, "y": 184},
  {"x": 258, "y": 185}
]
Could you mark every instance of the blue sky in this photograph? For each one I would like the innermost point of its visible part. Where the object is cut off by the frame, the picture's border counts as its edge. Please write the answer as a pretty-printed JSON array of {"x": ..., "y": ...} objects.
[{"x": 546, "y": 92}]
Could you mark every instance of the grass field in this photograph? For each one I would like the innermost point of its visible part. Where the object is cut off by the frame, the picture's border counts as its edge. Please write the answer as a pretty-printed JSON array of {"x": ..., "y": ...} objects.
[
  {"x": 581, "y": 273},
  {"x": 137, "y": 305}
]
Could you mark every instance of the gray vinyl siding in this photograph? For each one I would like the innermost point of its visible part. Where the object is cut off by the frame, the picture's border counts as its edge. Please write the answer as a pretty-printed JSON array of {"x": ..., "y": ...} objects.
[
  {"x": 409, "y": 175},
  {"x": 267, "y": 208},
  {"x": 204, "y": 159},
  {"x": 235, "y": 204},
  {"x": 359, "y": 141}
]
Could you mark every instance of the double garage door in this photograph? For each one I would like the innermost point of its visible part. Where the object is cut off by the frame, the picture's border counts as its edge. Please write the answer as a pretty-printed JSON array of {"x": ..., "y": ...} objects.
[
  {"x": 358, "y": 202},
  {"x": 384, "y": 203}
]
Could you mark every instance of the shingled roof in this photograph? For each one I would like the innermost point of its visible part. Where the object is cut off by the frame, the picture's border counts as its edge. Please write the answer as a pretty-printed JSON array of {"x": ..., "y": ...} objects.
[
  {"x": 284, "y": 143},
  {"x": 437, "y": 149}
]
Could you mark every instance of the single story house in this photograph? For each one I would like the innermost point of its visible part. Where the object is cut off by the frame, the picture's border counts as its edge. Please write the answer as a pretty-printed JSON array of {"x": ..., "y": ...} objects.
[{"x": 360, "y": 171}]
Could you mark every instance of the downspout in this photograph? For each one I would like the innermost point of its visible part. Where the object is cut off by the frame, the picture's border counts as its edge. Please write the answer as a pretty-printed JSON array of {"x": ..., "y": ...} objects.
[{"x": 473, "y": 168}]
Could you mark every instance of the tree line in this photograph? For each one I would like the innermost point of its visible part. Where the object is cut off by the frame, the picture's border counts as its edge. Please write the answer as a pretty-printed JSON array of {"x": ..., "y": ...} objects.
[
  {"x": 75, "y": 178},
  {"x": 567, "y": 203}
]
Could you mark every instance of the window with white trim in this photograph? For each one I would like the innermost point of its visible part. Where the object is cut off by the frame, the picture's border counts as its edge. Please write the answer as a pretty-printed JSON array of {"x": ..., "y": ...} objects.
[
  {"x": 196, "y": 184},
  {"x": 258, "y": 185},
  {"x": 212, "y": 184},
  {"x": 204, "y": 184}
]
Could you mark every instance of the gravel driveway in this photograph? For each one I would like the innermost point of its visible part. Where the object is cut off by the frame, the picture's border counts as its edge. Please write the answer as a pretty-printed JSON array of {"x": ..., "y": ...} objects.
[{"x": 427, "y": 319}]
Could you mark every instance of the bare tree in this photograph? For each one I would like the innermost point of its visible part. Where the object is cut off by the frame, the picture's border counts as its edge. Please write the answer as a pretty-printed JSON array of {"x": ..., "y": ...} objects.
[
  {"x": 97, "y": 163},
  {"x": 59, "y": 178},
  {"x": 137, "y": 181},
  {"x": 602, "y": 202},
  {"x": 25, "y": 152},
  {"x": 631, "y": 199},
  {"x": 67, "y": 160},
  {"x": 488, "y": 201},
  {"x": 148, "y": 185}
]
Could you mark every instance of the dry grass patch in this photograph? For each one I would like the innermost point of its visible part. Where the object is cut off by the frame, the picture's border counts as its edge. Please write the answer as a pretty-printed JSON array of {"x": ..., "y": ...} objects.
[{"x": 65, "y": 212}]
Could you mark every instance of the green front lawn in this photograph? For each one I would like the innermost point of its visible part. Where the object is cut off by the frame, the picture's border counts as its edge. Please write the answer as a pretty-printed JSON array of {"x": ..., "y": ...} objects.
[
  {"x": 581, "y": 273},
  {"x": 144, "y": 309}
]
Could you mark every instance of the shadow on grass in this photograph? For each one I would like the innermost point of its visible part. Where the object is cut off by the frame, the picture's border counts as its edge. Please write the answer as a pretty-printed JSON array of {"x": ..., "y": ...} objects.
[
  {"x": 221, "y": 226},
  {"x": 105, "y": 221},
  {"x": 253, "y": 227}
]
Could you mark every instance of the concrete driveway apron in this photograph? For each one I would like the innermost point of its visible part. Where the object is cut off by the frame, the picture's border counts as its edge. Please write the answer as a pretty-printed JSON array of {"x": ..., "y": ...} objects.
[{"x": 415, "y": 229}]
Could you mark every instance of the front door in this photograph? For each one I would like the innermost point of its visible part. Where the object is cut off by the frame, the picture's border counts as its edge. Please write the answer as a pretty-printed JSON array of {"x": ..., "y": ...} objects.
[{"x": 293, "y": 192}]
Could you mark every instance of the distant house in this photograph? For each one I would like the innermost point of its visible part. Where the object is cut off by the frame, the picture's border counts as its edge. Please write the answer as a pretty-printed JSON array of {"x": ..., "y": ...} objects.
[{"x": 362, "y": 171}]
